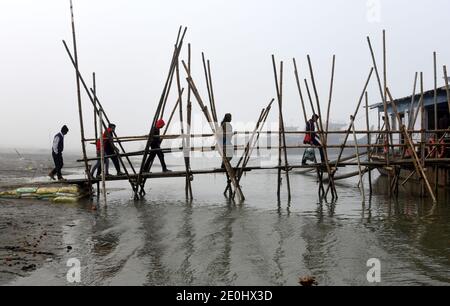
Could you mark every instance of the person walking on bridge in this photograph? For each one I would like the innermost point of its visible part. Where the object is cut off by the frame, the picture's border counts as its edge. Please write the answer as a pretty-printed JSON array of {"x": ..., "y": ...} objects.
[{"x": 57, "y": 150}]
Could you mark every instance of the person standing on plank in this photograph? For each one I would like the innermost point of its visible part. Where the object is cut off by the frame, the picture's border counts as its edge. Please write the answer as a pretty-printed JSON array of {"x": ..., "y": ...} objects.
[
  {"x": 57, "y": 149},
  {"x": 155, "y": 146},
  {"x": 110, "y": 149}
]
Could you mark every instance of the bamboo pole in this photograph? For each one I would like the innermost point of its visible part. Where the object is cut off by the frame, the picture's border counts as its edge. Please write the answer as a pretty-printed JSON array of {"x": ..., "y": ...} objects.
[
  {"x": 188, "y": 188},
  {"x": 447, "y": 88},
  {"x": 213, "y": 101},
  {"x": 299, "y": 90},
  {"x": 361, "y": 183},
  {"x": 411, "y": 107},
  {"x": 330, "y": 95},
  {"x": 80, "y": 109},
  {"x": 102, "y": 157},
  {"x": 436, "y": 169},
  {"x": 94, "y": 86},
  {"x": 208, "y": 87},
  {"x": 347, "y": 132},
  {"x": 309, "y": 97},
  {"x": 189, "y": 120},
  {"x": 253, "y": 141},
  {"x": 383, "y": 97},
  {"x": 214, "y": 127},
  {"x": 322, "y": 135},
  {"x": 281, "y": 135},
  {"x": 369, "y": 152}
]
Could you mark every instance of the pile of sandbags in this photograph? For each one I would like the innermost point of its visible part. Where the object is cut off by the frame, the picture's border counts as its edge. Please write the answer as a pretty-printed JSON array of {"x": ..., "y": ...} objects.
[{"x": 65, "y": 194}]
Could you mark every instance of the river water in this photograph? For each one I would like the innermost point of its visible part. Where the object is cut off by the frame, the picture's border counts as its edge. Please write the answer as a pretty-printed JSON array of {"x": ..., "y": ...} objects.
[{"x": 165, "y": 240}]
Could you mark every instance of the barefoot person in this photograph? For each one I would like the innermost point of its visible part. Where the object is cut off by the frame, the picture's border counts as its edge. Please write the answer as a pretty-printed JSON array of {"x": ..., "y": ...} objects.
[{"x": 57, "y": 149}]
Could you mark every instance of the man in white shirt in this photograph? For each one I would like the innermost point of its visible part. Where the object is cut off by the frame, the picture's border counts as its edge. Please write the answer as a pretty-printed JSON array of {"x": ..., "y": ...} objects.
[{"x": 57, "y": 149}]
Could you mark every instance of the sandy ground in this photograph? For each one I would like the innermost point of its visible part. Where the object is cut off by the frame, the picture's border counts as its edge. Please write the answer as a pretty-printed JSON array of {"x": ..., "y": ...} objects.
[{"x": 30, "y": 231}]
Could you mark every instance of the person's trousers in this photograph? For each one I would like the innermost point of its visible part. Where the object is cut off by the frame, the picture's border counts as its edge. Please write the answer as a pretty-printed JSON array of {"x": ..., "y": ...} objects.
[
  {"x": 151, "y": 157},
  {"x": 114, "y": 159},
  {"x": 98, "y": 166},
  {"x": 59, "y": 163},
  {"x": 315, "y": 142}
]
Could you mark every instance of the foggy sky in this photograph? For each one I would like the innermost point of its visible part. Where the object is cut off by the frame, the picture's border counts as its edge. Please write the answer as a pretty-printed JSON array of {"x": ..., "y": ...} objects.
[{"x": 129, "y": 44}]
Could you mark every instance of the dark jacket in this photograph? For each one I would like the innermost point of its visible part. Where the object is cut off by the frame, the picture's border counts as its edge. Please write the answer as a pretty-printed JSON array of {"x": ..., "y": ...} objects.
[
  {"x": 310, "y": 127},
  {"x": 58, "y": 143},
  {"x": 156, "y": 141}
]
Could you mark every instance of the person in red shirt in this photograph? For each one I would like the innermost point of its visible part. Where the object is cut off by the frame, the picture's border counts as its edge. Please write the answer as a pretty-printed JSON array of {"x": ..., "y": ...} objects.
[{"x": 98, "y": 149}]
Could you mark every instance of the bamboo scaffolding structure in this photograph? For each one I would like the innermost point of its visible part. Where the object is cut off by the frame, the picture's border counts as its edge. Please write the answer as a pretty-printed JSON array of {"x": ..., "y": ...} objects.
[
  {"x": 96, "y": 103},
  {"x": 214, "y": 127},
  {"x": 352, "y": 118},
  {"x": 322, "y": 135},
  {"x": 178, "y": 46},
  {"x": 415, "y": 158}
]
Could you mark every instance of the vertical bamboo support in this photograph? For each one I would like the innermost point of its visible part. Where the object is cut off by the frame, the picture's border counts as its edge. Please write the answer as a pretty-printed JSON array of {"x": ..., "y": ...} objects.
[
  {"x": 188, "y": 189},
  {"x": 94, "y": 86},
  {"x": 411, "y": 107},
  {"x": 280, "y": 105},
  {"x": 436, "y": 126},
  {"x": 330, "y": 96},
  {"x": 369, "y": 151},
  {"x": 213, "y": 101},
  {"x": 447, "y": 88},
  {"x": 102, "y": 155},
  {"x": 383, "y": 97},
  {"x": 281, "y": 133},
  {"x": 422, "y": 133},
  {"x": 361, "y": 183},
  {"x": 80, "y": 109}
]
